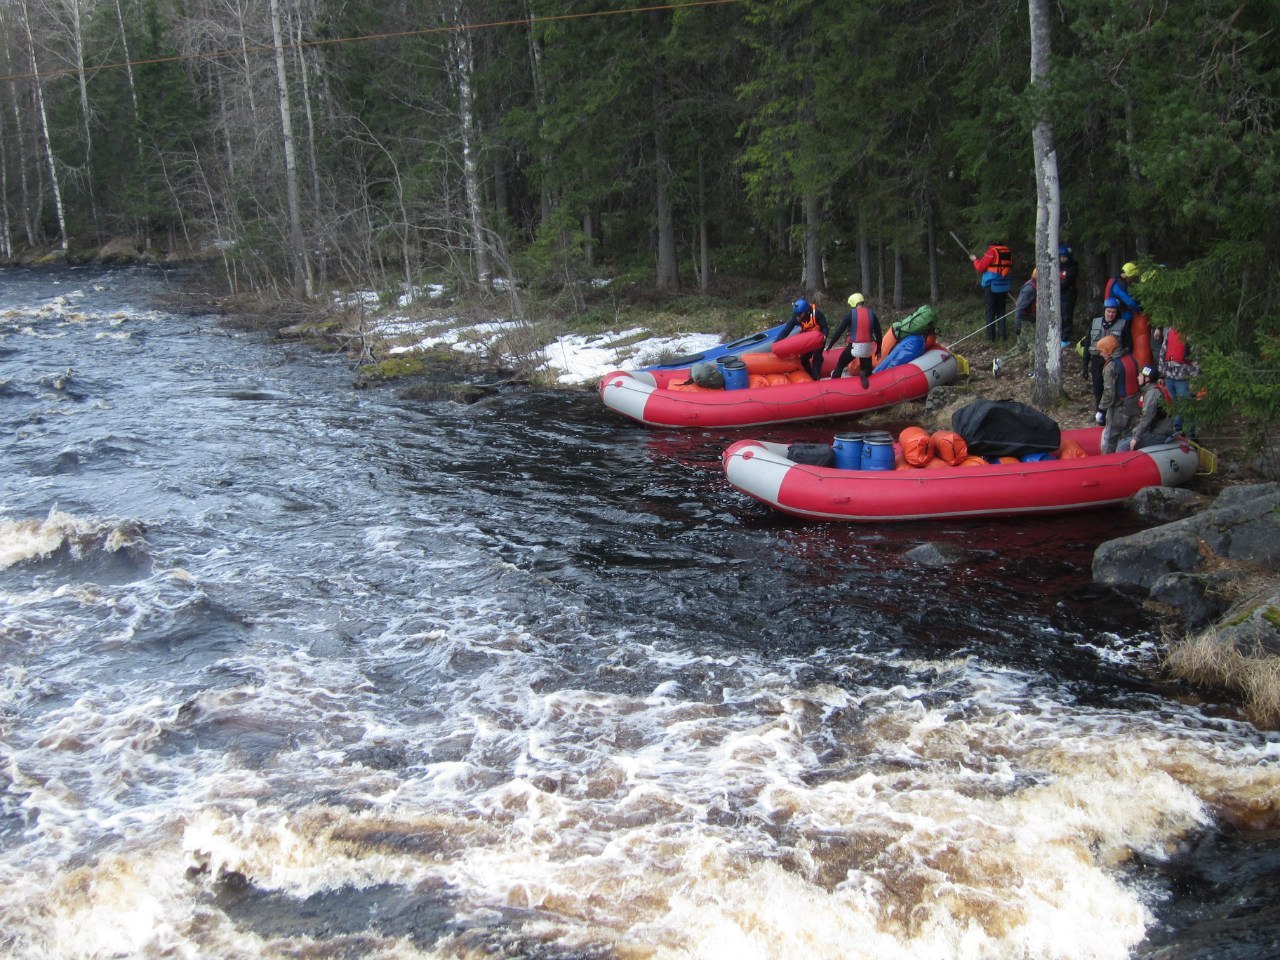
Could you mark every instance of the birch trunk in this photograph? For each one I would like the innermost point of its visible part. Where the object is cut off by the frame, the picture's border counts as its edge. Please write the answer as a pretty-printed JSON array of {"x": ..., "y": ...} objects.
[
  {"x": 44, "y": 130},
  {"x": 301, "y": 271},
  {"x": 77, "y": 39},
  {"x": 304, "y": 71},
  {"x": 463, "y": 72},
  {"x": 28, "y": 214},
  {"x": 1047, "y": 357},
  {"x": 540, "y": 101},
  {"x": 6, "y": 231}
]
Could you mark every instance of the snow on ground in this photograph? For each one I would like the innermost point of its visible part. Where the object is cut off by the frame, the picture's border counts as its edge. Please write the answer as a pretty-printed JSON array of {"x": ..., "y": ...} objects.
[
  {"x": 574, "y": 359},
  {"x": 585, "y": 359},
  {"x": 571, "y": 360}
]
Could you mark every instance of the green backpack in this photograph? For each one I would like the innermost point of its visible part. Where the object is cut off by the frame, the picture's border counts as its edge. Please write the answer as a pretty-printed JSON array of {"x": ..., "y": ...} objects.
[{"x": 920, "y": 322}]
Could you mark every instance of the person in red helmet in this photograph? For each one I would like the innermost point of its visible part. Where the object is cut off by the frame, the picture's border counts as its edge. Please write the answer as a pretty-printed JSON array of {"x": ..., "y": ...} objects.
[{"x": 1120, "y": 391}]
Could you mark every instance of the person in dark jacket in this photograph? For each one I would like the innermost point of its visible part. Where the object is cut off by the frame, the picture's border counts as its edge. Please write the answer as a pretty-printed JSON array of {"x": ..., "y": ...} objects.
[
  {"x": 1024, "y": 309},
  {"x": 863, "y": 327},
  {"x": 1109, "y": 324},
  {"x": 807, "y": 316},
  {"x": 1068, "y": 275},
  {"x": 1155, "y": 423}
]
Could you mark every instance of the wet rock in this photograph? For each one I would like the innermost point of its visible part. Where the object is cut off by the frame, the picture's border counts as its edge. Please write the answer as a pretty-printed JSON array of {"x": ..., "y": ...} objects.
[
  {"x": 934, "y": 554},
  {"x": 1163, "y": 504}
]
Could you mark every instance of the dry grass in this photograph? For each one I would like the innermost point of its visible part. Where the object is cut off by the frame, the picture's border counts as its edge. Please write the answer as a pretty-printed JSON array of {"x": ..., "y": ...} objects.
[{"x": 1216, "y": 659}]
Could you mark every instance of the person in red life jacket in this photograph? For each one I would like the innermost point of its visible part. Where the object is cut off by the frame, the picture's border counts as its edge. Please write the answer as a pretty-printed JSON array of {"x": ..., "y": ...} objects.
[
  {"x": 1024, "y": 309},
  {"x": 1119, "y": 403},
  {"x": 863, "y": 327},
  {"x": 1109, "y": 324},
  {"x": 994, "y": 268},
  {"x": 1118, "y": 288},
  {"x": 1153, "y": 424},
  {"x": 807, "y": 316},
  {"x": 1068, "y": 274},
  {"x": 1177, "y": 368}
]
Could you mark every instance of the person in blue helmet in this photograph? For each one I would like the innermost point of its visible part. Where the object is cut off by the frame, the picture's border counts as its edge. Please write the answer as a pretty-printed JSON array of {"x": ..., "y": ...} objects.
[
  {"x": 807, "y": 316},
  {"x": 1068, "y": 276},
  {"x": 1110, "y": 324}
]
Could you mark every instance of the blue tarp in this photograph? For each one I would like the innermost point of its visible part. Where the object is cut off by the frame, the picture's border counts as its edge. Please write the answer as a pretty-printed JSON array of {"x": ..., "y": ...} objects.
[{"x": 906, "y": 350}]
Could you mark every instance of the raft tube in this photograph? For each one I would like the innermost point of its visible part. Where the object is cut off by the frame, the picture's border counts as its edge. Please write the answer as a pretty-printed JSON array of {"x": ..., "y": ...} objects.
[
  {"x": 646, "y": 397},
  {"x": 751, "y": 344},
  {"x": 762, "y": 470}
]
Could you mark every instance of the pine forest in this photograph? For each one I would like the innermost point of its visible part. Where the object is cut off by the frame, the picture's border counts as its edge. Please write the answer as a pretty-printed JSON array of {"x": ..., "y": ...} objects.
[{"x": 311, "y": 144}]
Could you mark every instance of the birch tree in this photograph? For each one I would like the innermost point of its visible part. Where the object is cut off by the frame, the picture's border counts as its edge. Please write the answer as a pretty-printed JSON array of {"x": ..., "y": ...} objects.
[
  {"x": 1047, "y": 356},
  {"x": 46, "y": 140},
  {"x": 301, "y": 265}
]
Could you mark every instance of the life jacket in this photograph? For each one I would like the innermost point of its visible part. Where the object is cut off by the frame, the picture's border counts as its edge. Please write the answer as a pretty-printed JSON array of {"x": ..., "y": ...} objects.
[
  {"x": 1175, "y": 348},
  {"x": 1002, "y": 265},
  {"x": 860, "y": 329},
  {"x": 810, "y": 320},
  {"x": 1127, "y": 383}
]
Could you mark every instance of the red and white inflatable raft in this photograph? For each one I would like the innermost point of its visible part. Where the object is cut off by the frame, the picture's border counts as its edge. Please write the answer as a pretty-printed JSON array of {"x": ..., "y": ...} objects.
[
  {"x": 762, "y": 470},
  {"x": 650, "y": 396}
]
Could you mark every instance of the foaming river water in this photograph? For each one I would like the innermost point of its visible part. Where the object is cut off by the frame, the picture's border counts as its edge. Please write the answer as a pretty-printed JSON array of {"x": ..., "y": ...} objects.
[{"x": 296, "y": 670}]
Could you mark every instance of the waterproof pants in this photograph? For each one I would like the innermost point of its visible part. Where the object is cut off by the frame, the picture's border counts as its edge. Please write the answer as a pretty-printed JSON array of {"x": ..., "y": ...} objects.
[
  {"x": 1096, "y": 363},
  {"x": 996, "y": 304},
  {"x": 846, "y": 355}
]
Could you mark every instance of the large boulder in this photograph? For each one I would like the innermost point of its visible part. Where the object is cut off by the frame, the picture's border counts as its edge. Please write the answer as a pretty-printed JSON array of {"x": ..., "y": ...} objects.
[
  {"x": 1242, "y": 525},
  {"x": 120, "y": 250}
]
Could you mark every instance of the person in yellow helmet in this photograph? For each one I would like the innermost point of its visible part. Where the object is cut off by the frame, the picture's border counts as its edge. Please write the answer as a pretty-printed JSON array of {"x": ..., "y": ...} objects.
[
  {"x": 864, "y": 333},
  {"x": 1118, "y": 288}
]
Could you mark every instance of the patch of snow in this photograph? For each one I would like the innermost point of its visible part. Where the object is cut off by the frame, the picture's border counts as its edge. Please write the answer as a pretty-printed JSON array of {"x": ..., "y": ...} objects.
[{"x": 577, "y": 360}]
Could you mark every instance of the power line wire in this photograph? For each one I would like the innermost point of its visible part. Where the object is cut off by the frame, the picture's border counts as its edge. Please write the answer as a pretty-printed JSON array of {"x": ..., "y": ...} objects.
[{"x": 332, "y": 41}]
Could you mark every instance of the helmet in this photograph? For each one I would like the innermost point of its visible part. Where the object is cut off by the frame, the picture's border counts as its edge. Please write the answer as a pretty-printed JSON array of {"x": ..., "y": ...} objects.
[
  {"x": 855, "y": 299},
  {"x": 1064, "y": 251},
  {"x": 1129, "y": 270},
  {"x": 1107, "y": 345},
  {"x": 1110, "y": 302},
  {"x": 800, "y": 306},
  {"x": 1035, "y": 272}
]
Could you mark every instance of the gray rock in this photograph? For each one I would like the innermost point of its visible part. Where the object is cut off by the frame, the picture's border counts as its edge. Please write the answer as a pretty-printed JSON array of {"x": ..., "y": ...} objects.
[
  {"x": 1142, "y": 558},
  {"x": 1162, "y": 504},
  {"x": 1198, "y": 597},
  {"x": 934, "y": 554},
  {"x": 1257, "y": 634},
  {"x": 1243, "y": 524},
  {"x": 120, "y": 250}
]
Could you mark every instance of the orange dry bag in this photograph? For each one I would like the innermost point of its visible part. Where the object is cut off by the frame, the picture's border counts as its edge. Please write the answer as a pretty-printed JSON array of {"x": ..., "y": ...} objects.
[
  {"x": 1141, "y": 328},
  {"x": 949, "y": 446},
  {"x": 916, "y": 448}
]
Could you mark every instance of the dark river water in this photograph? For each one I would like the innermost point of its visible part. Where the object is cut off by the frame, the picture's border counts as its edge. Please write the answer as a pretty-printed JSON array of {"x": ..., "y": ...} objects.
[{"x": 291, "y": 669}]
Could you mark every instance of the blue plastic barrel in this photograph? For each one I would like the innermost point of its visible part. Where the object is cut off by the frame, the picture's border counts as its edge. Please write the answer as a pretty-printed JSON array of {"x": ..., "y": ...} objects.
[
  {"x": 848, "y": 450},
  {"x": 735, "y": 373},
  {"x": 877, "y": 452}
]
